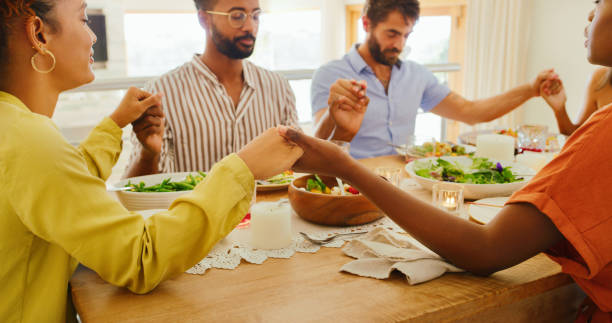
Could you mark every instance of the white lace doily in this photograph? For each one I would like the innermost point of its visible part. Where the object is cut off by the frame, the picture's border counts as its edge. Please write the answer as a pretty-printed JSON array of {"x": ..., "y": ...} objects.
[{"x": 230, "y": 252}]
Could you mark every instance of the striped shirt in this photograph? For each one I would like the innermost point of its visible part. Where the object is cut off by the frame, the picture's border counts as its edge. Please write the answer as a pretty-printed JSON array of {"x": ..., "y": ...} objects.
[{"x": 203, "y": 125}]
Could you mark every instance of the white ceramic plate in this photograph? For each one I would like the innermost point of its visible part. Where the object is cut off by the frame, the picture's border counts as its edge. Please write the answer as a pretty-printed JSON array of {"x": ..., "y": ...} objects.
[
  {"x": 402, "y": 150},
  {"x": 484, "y": 210},
  {"x": 477, "y": 191},
  {"x": 135, "y": 201},
  {"x": 275, "y": 187}
]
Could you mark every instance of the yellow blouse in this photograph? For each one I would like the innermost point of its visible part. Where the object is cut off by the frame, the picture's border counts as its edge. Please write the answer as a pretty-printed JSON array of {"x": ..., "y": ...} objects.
[{"x": 55, "y": 213}]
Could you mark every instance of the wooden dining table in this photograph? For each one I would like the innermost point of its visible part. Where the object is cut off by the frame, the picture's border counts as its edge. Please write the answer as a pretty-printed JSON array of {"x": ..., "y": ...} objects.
[{"x": 310, "y": 288}]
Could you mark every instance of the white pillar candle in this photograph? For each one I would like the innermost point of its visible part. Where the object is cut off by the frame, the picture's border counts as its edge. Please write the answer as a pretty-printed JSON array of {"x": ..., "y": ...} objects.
[
  {"x": 535, "y": 161},
  {"x": 498, "y": 147},
  {"x": 271, "y": 225}
]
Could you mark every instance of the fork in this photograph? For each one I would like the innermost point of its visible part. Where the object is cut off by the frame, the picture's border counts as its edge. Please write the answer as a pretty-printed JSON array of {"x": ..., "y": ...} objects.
[{"x": 330, "y": 238}]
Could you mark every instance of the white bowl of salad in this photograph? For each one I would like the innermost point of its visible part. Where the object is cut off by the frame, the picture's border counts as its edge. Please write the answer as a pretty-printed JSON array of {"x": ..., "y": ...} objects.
[
  {"x": 155, "y": 191},
  {"x": 480, "y": 177}
]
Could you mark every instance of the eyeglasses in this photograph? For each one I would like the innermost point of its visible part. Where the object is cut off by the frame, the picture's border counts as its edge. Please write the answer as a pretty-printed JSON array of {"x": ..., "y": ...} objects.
[{"x": 237, "y": 18}]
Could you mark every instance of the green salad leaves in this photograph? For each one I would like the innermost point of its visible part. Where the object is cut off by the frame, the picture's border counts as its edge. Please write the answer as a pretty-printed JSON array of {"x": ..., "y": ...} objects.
[
  {"x": 168, "y": 185},
  {"x": 482, "y": 171}
]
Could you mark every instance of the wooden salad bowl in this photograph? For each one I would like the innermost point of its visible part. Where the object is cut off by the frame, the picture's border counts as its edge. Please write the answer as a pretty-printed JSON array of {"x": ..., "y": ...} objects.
[{"x": 332, "y": 210}]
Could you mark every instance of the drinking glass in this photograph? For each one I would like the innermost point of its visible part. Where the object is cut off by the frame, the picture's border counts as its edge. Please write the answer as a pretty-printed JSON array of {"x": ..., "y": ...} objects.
[{"x": 532, "y": 137}]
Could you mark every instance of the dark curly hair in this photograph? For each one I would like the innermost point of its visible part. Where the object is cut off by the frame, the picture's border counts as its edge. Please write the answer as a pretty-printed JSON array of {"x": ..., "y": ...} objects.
[
  {"x": 15, "y": 11},
  {"x": 205, "y": 4},
  {"x": 378, "y": 10}
]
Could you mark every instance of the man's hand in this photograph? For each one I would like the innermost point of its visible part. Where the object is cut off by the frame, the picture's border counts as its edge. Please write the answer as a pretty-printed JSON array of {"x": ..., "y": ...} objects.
[
  {"x": 149, "y": 130},
  {"x": 347, "y": 105},
  {"x": 546, "y": 75}
]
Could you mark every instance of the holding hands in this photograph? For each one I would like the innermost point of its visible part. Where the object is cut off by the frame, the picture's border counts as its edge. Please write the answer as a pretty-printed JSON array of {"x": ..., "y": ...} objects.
[
  {"x": 269, "y": 154},
  {"x": 134, "y": 104},
  {"x": 544, "y": 76},
  {"x": 553, "y": 93},
  {"x": 149, "y": 129},
  {"x": 319, "y": 156},
  {"x": 347, "y": 105}
]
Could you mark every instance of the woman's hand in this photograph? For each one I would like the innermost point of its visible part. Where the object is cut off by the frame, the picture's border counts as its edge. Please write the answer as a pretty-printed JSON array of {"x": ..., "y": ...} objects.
[
  {"x": 320, "y": 156},
  {"x": 553, "y": 93},
  {"x": 134, "y": 104},
  {"x": 269, "y": 154},
  {"x": 149, "y": 130}
]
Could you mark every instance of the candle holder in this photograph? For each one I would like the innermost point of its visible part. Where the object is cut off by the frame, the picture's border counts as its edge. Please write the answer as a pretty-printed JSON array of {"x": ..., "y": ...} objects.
[
  {"x": 271, "y": 225},
  {"x": 448, "y": 197}
]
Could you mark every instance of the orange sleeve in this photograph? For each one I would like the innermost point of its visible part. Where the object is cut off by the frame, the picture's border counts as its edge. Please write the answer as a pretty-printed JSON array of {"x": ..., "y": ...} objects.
[{"x": 573, "y": 190}]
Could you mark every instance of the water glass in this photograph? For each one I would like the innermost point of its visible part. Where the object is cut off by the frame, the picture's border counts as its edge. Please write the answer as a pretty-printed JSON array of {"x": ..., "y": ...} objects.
[{"x": 532, "y": 137}]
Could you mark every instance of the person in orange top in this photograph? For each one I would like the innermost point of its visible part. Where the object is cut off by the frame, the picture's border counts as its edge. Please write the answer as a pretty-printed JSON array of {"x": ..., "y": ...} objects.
[{"x": 564, "y": 211}]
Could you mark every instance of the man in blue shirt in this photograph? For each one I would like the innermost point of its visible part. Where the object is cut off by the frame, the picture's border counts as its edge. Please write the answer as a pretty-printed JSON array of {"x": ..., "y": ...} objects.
[{"x": 382, "y": 108}]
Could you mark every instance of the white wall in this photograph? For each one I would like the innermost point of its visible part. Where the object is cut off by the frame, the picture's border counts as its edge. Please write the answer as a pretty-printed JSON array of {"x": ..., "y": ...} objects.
[{"x": 557, "y": 41}]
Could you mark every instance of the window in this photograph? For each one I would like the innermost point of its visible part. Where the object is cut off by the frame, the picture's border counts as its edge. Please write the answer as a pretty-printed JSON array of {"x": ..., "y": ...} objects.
[
  {"x": 289, "y": 40},
  {"x": 301, "y": 89},
  {"x": 154, "y": 48},
  {"x": 285, "y": 41},
  {"x": 429, "y": 41}
]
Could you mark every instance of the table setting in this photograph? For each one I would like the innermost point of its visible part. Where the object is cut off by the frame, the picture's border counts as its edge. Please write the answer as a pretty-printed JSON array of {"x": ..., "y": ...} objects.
[
  {"x": 480, "y": 172},
  {"x": 318, "y": 211},
  {"x": 335, "y": 265},
  {"x": 305, "y": 222}
]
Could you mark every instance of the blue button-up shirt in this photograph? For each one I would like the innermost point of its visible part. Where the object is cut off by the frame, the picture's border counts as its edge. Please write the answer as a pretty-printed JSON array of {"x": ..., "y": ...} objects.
[{"x": 391, "y": 116}]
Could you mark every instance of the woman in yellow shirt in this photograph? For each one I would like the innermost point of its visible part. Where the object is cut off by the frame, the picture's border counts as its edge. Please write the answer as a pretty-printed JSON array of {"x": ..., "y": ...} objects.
[{"x": 54, "y": 209}]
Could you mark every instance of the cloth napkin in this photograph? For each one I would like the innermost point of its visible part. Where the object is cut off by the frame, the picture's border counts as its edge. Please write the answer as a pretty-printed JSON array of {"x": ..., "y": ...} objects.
[{"x": 381, "y": 251}]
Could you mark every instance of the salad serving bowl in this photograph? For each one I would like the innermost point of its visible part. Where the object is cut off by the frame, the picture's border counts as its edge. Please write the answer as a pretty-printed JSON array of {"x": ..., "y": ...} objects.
[
  {"x": 475, "y": 191},
  {"x": 332, "y": 210},
  {"x": 135, "y": 201}
]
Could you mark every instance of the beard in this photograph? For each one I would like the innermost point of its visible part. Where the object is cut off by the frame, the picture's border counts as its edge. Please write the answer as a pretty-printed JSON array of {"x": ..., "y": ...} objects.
[
  {"x": 230, "y": 47},
  {"x": 384, "y": 57}
]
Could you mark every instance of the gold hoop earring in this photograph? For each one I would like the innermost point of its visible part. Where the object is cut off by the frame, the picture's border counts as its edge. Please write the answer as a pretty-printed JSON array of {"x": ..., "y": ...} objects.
[{"x": 47, "y": 52}]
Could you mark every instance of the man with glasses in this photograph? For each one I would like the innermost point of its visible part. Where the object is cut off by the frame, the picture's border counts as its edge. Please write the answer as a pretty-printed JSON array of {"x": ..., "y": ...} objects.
[
  {"x": 396, "y": 88},
  {"x": 216, "y": 103}
]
